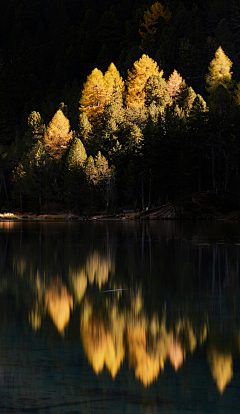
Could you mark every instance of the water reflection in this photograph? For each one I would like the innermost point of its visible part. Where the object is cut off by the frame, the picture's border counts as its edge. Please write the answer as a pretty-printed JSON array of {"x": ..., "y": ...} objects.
[
  {"x": 221, "y": 367},
  {"x": 181, "y": 292},
  {"x": 58, "y": 303}
]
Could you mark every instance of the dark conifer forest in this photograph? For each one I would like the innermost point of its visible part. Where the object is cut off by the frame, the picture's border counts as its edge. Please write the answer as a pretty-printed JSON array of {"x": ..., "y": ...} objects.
[{"x": 117, "y": 104}]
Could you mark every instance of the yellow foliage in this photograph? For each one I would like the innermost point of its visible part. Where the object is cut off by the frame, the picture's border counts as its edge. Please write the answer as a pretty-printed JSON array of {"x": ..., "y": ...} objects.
[
  {"x": 58, "y": 135},
  {"x": 79, "y": 283},
  {"x": 150, "y": 19},
  {"x": 98, "y": 90},
  {"x": 147, "y": 367},
  {"x": 219, "y": 71},
  {"x": 95, "y": 95},
  {"x": 58, "y": 303},
  {"x": 98, "y": 268},
  {"x": 221, "y": 368},
  {"x": 112, "y": 77},
  {"x": 142, "y": 70},
  {"x": 100, "y": 347}
]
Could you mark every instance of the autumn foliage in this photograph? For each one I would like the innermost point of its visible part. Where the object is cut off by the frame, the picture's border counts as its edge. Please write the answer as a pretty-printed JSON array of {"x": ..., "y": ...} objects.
[
  {"x": 137, "y": 78},
  {"x": 58, "y": 136}
]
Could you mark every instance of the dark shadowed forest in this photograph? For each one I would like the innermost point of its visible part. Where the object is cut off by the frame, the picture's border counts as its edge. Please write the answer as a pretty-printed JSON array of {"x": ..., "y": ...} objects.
[{"x": 118, "y": 104}]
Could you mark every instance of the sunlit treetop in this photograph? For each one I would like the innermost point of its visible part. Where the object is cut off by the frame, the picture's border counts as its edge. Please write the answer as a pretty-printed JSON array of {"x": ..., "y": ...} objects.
[
  {"x": 94, "y": 95},
  {"x": 137, "y": 78},
  {"x": 112, "y": 78},
  {"x": 219, "y": 72},
  {"x": 58, "y": 135},
  {"x": 99, "y": 90},
  {"x": 173, "y": 85}
]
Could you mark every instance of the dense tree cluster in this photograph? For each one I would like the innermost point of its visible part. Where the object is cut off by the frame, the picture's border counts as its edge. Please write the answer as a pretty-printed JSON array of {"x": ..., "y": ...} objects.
[{"x": 160, "y": 122}]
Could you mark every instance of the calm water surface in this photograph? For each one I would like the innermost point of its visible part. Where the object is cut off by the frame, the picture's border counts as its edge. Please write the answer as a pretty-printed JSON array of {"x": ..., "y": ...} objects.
[{"x": 167, "y": 340}]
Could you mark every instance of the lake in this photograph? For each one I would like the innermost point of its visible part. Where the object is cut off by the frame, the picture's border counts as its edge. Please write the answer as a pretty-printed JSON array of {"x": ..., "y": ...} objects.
[{"x": 119, "y": 317}]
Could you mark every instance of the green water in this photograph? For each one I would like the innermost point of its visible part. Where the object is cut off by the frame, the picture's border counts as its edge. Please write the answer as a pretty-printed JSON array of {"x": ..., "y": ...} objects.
[{"x": 119, "y": 317}]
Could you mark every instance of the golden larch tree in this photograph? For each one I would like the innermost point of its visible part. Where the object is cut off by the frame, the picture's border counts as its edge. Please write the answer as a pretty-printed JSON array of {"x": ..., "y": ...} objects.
[
  {"x": 173, "y": 85},
  {"x": 58, "y": 135},
  {"x": 219, "y": 72},
  {"x": 113, "y": 80},
  {"x": 151, "y": 17},
  {"x": 142, "y": 70},
  {"x": 95, "y": 95}
]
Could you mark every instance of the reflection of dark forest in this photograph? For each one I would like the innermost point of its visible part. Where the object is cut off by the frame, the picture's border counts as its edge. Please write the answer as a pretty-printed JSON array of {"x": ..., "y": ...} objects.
[{"x": 181, "y": 291}]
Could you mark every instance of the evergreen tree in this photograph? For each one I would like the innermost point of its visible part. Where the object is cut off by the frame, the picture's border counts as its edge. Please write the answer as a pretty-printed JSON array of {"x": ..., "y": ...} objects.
[
  {"x": 36, "y": 129},
  {"x": 101, "y": 179},
  {"x": 58, "y": 136},
  {"x": 186, "y": 97},
  {"x": 142, "y": 70},
  {"x": 198, "y": 140},
  {"x": 112, "y": 123},
  {"x": 32, "y": 178},
  {"x": 85, "y": 131},
  {"x": 156, "y": 91},
  {"x": 74, "y": 177}
]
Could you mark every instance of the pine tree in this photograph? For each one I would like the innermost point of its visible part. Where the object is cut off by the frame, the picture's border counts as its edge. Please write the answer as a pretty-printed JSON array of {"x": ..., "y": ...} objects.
[
  {"x": 134, "y": 141},
  {"x": 86, "y": 131},
  {"x": 142, "y": 70},
  {"x": 156, "y": 91},
  {"x": 112, "y": 122},
  {"x": 101, "y": 179},
  {"x": 173, "y": 85},
  {"x": 31, "y": 176},
  {"x": 105, "y": 179},
  {"x": 74, "y": 177},
  {"x": 58, "y": 136},
  {"x": 36, "y": 129},
  {"x": 198, "y": 135},
  {"x": 95, "y": 95},
  {"x": 237, "y": 94},
  {"x": 186, "y": 97},
  {"x": 219, "y": 72}
]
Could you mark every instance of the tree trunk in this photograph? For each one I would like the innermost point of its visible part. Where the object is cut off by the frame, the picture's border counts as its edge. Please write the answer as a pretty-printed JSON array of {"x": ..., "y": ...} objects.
[
  {"x": 150, "y": 189},
  {"x": 142, "y": 193},
  {"x": 199, "y": 170},
  {"x": 213, "y": 166}
]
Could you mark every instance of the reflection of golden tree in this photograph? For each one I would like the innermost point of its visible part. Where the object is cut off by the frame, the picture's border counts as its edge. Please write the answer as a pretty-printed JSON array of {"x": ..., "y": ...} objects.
[
  {"x": 146, "y": 365},
  {"x": 221, "y": 368},
  {"x": 35, "y": 318},
  {"x": 184, "y": 328},
  {"x": 58, "y": 303},
  {"x": 100, "y": 347},
  {"x": 98, "y": 268},
  {"x": 175, "y": 353},
  {"x": 79, "y": 283}
]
